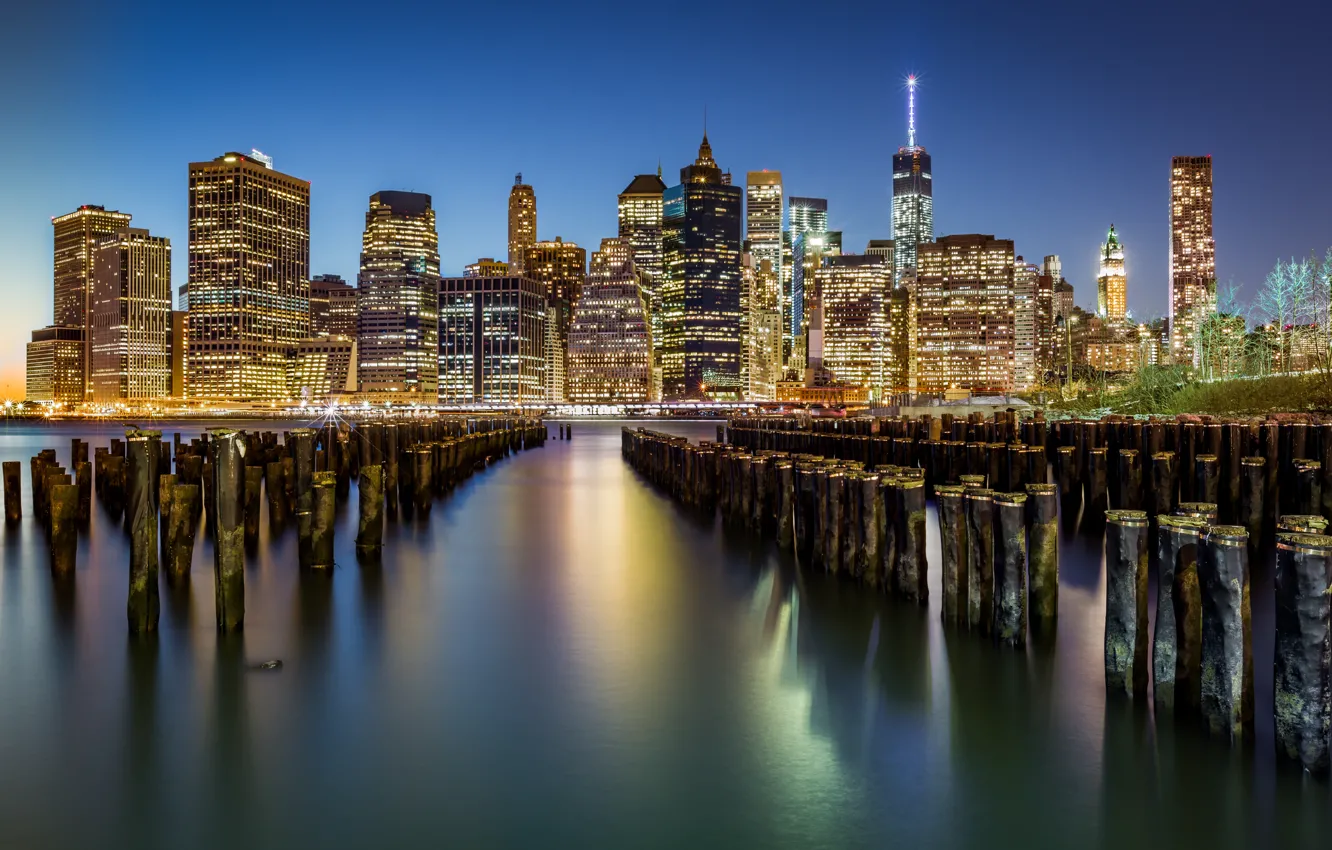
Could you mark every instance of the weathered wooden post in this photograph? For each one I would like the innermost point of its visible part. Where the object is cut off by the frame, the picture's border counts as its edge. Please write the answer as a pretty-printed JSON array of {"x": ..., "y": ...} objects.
[
  {"x": 324, "y": 502},
  {"x": 1066, "y": 469},
  {"x": 912, "y": 568},
  {"x": 1176, "y": 644},
  {"x": 1010, "y": 570},
  {"x": 83, "y": 480},
  {"x": 143, "y": 606},
  {"x": 13, "y": 471},
  {"x": 786, "y": 496},
  {"x": 1301, "y": 705},
  {"x": 980, "y": 560},
  {"x": 832, "y": 532},
  {"x": 1129, "y": 485},
  {"x": 1301, "y": 524},
  {"x": 303, "y": 456},
  {"x": 391, "y": 469},
  {"x": 1043, "y": 549},
  {"x": 1250, "y": 506},
  {"x": 1205, "y": 511},
  {"x": 950, "y": 502},
  {"x": 64, "y": 502},
  {"x": 254, "y": 479},
  {"x": 889, "y": 491},
  {"x": 370, "y": 528},
  {"x": 1206, "y": 481},
  {"x": 166, "y": 487},
  {"x": 275, "y": 489},
  {"x": 1126, "y": 603},
  {"x": 1094, "y": 509},
  {"x": 229, "y": 529},
  {"x": 1226, "y": 652},
  {"x": 180, "y": 535},
  {"x": 421, "y": 480},
  {"x": 1307, "y": 478},
  {"x": 1165, "y": 483},
  {"x": 868, "y": 510}
]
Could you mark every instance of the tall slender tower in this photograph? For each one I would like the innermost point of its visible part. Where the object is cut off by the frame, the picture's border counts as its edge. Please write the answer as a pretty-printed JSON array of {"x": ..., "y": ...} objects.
[
  {"x": 129, "y": 318},
  {"x": 398, "y": 298},
  {"x": 807, "y": 220},
  {"x": 913, "y": 194},
  {"x": 249, "y": 277},
  {"x": 763, "y": 219},
  {"x": 639, "y": 209},
  {"x": 1192, "y": 252},
  {"x": 1112, "y": 283},
  {"x": 561, "y": 269},
  {"x": 700, "y": 293},
  {"x": 522, "y": 222}
]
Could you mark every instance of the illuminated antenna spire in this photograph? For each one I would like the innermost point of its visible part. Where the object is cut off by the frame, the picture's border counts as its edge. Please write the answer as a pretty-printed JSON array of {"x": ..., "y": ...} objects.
[{"x": 911, "y": 110}]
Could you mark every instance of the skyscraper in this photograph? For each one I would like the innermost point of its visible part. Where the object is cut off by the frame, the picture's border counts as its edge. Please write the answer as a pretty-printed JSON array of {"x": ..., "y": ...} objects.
[
  {"x": 1026, "y": 278},
  {"x": 804, "y": 216},
  {"x": 639, "y": 211},
  {"x": 965, "y": 315},
  {"x": 397, "y": 317},
  {"x": 129, "y": 320},
  {"x": 855, "y": 292},
  {"x": 249, "y": 277},
  {"x": 763, "y": 219},
  {"x": 610, "y": 338},
  {"x": 1112, "y": 283},
  {"x": 55, "y": 365},
  {"x": 763, "y": 332},
  {"x": 700, "y": 291},
  {"x": 492, "y": 341},
  {"x": 77, "y": 236},
  {"x": 913, "y": 193},
  {"x": 1192, "y": 252},
  {"x": 332, "y": 307},
  {"x": 522, "y": 222},
  {"x": 486, "y": 267},
  {"x": 560, "y": 267}
]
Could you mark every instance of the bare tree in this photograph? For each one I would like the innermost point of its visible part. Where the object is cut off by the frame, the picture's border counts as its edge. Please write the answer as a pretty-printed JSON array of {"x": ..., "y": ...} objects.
[{"x": 1283, "y": 302}]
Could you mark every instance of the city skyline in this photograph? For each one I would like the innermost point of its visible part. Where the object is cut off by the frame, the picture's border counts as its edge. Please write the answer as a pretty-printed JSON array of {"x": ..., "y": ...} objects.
[{"x": 1055, "y": 199}]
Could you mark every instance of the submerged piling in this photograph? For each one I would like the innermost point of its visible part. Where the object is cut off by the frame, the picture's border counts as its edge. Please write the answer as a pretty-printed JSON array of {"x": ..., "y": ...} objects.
[
  {"x": 1126, "y": 603},
  {"x": 1306, "y": 477},
  {"x": 1301, "y": 703},
  {"x": 1043, "y": 556},
  {"x": 64, "y": 528},
  {"x": 1010, "y": 570},
  {"x": 13, "y": 472},
  {"x": 182, "y": 524},
  {"x": 143, "y": 606},
  {"x": 1176, "y": 644},
  {"x": 1226, "y": 651},
  {"x": 229, "y": 529},
  {"x": 254, "y": 479},
  {"x": 912, "y": 569},
  {"x": 980, "y": 561},
  {"x": 303, "y": 456},
  {"x": 953, "y": 552},
  {"x": 370, "y": 527},
  {"x": 324, "y": 501}
]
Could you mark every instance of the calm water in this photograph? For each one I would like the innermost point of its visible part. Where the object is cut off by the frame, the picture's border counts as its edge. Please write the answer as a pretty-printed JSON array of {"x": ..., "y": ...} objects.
[{"x": 560, "y": 656}]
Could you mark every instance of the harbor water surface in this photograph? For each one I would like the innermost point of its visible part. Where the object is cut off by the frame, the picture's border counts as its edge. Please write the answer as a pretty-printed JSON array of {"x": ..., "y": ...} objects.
[{"x": 560, "y": 656}]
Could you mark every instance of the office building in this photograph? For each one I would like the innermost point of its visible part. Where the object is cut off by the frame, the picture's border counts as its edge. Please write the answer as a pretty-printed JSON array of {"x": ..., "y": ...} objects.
[
  {"x": 1192, "y": 253},
  {"x": 913, "y": 193},
  {"x": 762, "y": 342},
  {"x": 639, "y": 211},
  {"x": 855, "y": 292},
  {"x": 522, "y": 222},
  {"x": 249, "y": 278},
  {"x": 77, "y": 237},
  {"x": 55, "y": 365},
  {"x": 325, "y": 368},
  {"x": 492, "y": 341},
  {"x": 902, "y": 371},
  {"x": 700, "y": 293},
  {"x": 129, "y": 319},
  {"x": 763, "y": 219},
  {"x": 882, "y": 248},
  {"x": 1026, "y": 277},
  {"x": 804, "y": 216},
  {"x": 397, "y": 321},
  {"x": 560, "y": 267},
  {"x": 965, "y": 314},
  {"x": 486, "y": 267},
  {"x": 332, "y": 307},
  {"x": 610, "y": 337},
  {"x": 1112, "y": 282}
]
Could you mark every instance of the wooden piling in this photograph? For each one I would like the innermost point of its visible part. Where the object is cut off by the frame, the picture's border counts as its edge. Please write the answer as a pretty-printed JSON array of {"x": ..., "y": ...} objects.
[
  {"x": 229, "y": 528},
  {"x": 1126, "y": 603},
  {"x": 1176, "y": 643},
  {"x": 1043, "y": 555},
  {"x": 1301, "y": 703},
  {"x": 1226, "y": 648},
  {"x": 913, "y": 568},
  {"x": 1010, "y": 570},
  {"x": 323, "y": 508},
  {"x": 950, "y": 502},
  {"x": 13, "y": 472},
  {"x": 980, "y": 561},
  {"x": 182, "y": 525},
  {"x": 64, "y": 528}
]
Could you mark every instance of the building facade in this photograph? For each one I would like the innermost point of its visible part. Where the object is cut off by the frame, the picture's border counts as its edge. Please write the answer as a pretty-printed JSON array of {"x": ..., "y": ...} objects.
[
  {"x": 522, "y": 222},
  {"x": 77, "y": 237},
  {"x": 55, "y": 365},
  {"x": 807, "y": 220},
  {"x": 486, "y": 267},
  {"x": 700, "y": 293},
  {"x": 763, "y": 219},
  {"x": 129, "y": 320},
  {"x": 855, "y": 293},
  {"x": 610, "y": 336},
  {"x": 492, "y": 341},
  {"x": 1192, "y": 253},
  {"x": 332, "y": 307},
  {"x": 913, "y": 194},
  {"x": 324, "y": 368},
  {"x": 1026, "y": 279},
  {"x": 397, "y": 311},
  {"x": 966, "y": 315},
  {"x": 1112, "y": 282},
  {"x": 639, "y": 211},
  {"x": 561, "y": 269},
  {"x": 249, "y": 278}
]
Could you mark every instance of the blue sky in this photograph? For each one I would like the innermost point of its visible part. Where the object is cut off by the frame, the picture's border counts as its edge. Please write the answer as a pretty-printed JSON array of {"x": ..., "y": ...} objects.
[{"x": 1046, "y": 121}]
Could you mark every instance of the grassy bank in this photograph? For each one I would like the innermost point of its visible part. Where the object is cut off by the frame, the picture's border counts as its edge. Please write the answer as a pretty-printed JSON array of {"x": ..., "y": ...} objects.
[{"x": 1167, "y": 390}]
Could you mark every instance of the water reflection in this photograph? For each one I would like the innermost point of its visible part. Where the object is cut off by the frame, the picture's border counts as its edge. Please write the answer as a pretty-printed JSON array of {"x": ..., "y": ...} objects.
[{"x": 561, "y": 656}]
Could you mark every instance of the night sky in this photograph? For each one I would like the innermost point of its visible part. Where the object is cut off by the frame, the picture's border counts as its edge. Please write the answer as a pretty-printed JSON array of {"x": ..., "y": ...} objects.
[{"x": 1046, "y": 122}]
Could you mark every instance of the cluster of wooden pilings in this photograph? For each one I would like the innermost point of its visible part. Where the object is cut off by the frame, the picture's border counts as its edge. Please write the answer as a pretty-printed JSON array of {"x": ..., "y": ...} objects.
[
  {"x": 848, "y": 496},
  {"x": 221, "y": 479}
]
